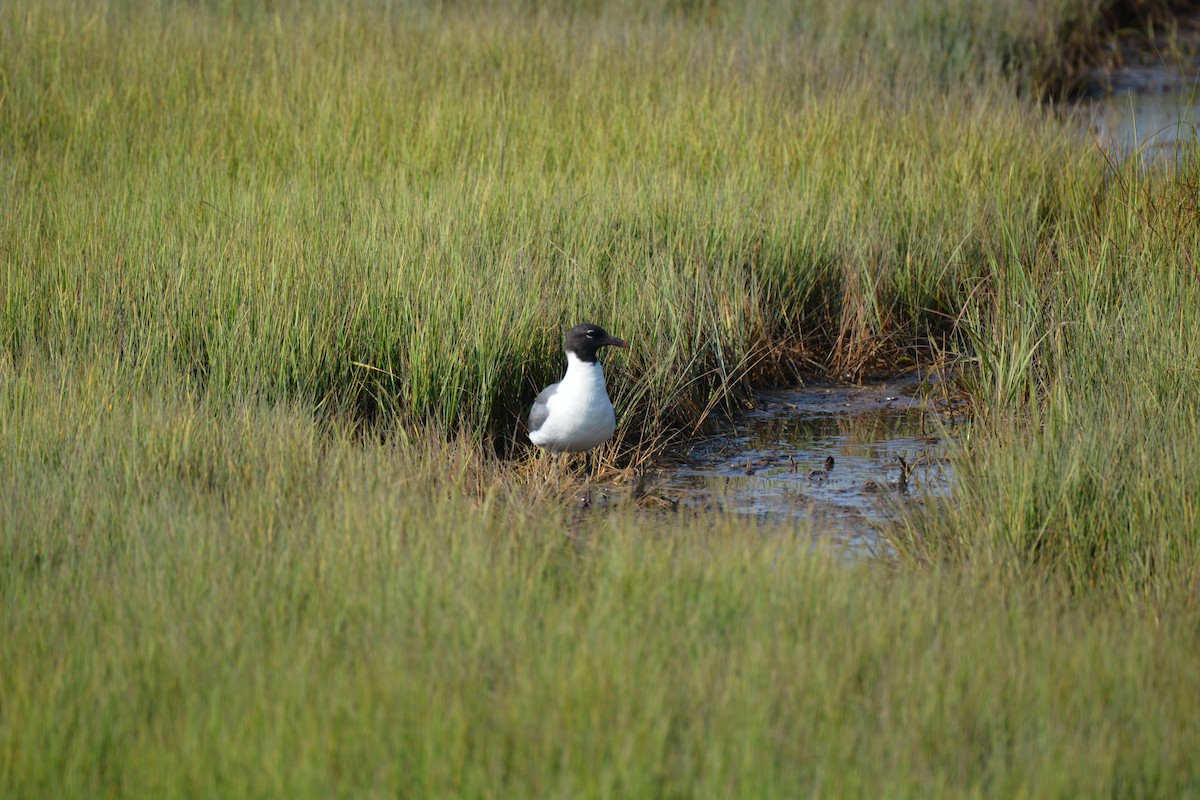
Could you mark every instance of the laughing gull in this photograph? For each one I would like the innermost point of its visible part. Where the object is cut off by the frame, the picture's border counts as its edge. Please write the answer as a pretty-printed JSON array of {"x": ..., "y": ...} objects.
[{"x": 575, "y": 414}]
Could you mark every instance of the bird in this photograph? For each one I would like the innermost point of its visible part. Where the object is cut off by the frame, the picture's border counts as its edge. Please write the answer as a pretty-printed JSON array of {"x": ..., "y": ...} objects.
[
  {"x": 900, "y": 485},
  {"x": 818, "y": 474},
  {"x": 576, "y": 415}
]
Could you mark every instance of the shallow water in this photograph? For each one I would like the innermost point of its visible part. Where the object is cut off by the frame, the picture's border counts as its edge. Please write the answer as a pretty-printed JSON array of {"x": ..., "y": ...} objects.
[
  {"x": 1157, "y": 126},
  {"x": 1148, "y": 102},
  {"x": 771, "y": 464}
]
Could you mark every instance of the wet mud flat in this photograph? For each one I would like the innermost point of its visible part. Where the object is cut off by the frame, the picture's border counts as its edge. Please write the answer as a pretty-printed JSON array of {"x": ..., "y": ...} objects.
[{"x": 773, "y": 464}]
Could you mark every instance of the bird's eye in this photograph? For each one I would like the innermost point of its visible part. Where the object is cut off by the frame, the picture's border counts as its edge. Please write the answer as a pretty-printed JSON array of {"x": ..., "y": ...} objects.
[{"x": 591, "y": 334}]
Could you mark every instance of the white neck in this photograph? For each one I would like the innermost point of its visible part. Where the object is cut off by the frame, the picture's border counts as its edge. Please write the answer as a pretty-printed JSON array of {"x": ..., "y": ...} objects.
[{"x": 581, "y": 372}]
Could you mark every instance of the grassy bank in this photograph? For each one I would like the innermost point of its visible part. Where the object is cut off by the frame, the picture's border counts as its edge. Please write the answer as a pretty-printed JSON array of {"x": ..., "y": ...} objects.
[
  {"x": 1087, "y": 378},
  {"x": 278, "y": 283},
  {"x": 202, "y": 601},
  {"x": 266, "y": 201}
]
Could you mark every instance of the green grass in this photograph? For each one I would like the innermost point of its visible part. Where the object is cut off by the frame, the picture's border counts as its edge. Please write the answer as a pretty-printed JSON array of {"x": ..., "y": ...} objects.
[
  {"x": 277, "y": 283},
  {"x": 267, "y": 200},
  {"x": 254, "y": 607},
  {"x": 1088, "y": 377}
]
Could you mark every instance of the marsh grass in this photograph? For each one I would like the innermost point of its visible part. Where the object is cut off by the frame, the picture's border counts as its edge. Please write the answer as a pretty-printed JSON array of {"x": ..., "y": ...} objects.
[
  {"x": 1090, "y": 381},
  {"x": 205, "y": 600},
  {"x": 269, "y": 201},
  {"x": 278, "y": 283}
]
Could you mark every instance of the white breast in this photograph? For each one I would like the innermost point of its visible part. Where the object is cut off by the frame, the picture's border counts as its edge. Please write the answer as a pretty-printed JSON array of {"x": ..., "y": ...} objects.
[{"x": 580, "y": 415}]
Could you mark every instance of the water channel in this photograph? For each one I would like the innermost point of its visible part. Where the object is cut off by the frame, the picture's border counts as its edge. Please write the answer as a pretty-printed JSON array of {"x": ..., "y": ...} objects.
[{"x": 1143, "y": 97}]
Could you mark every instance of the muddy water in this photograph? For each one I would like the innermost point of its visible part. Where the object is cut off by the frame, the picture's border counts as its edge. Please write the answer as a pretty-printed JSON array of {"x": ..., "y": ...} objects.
[{"x": 771, "y": 464}]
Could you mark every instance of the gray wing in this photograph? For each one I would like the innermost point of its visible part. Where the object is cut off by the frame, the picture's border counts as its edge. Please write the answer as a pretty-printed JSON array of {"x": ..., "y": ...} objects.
[{"x": 539, "y": 412}]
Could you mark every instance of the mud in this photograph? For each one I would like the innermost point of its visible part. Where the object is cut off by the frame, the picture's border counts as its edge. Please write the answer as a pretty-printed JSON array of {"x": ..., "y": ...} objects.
[{"x": 772, "y": 464}]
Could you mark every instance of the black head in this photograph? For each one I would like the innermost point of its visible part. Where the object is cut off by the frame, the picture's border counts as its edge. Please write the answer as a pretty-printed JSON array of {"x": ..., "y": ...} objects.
[{"x": 585, "y": 339}]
